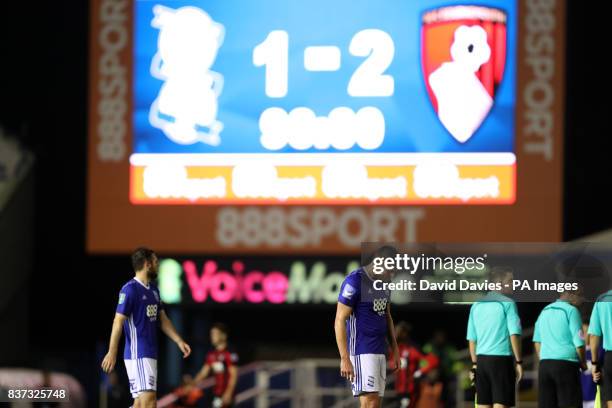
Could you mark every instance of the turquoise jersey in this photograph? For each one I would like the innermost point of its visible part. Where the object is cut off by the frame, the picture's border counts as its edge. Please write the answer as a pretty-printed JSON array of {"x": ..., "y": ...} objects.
[
  {"x": 601, "y": 319},
  {"x": 492, "y": 321},
  {"x": 559, "y": 331}
]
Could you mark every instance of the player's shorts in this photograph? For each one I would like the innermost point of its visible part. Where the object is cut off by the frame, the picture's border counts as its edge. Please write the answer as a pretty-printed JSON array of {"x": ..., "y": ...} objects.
[
  {"x": 216, "y": 401},
  {"x": 495, "y": 380},
  {"x": 370, "y": 373},
  {"x": 559, "y": 384},
  {"x": 142, "y": 374},
  {"x": 606, "y": 381}
]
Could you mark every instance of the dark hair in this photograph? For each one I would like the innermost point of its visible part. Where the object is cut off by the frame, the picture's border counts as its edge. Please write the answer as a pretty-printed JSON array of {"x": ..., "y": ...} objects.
[
  {"x": 384, "y": 251},
  {"x": 140, "y": 256},
  {"x": 498, "y": 273},
  {"x": 222, "y": 327}
]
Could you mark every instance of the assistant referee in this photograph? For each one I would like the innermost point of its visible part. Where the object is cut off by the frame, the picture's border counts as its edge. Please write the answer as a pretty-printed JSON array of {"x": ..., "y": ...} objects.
[
  {"x": 559, "y": 343},
  {"x": 494, "y": 335},
  {"x": 601, "y": 326}
]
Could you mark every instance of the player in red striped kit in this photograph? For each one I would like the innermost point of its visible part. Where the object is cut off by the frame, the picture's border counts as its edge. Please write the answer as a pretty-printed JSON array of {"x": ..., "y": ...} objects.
[
  {"x": 222, "y": 363},
  {"x": 413, "y": 365}
]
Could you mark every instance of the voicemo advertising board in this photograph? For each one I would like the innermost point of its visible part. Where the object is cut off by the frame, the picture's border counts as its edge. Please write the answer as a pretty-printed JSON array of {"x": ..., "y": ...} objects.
[{"x": 414, "y": 274}]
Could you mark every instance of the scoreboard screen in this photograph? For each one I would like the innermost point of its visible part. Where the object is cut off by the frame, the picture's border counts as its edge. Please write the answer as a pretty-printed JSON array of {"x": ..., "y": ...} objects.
[
  {"x": 232, "y": 126},
  {"x": 358, "y": 102}
]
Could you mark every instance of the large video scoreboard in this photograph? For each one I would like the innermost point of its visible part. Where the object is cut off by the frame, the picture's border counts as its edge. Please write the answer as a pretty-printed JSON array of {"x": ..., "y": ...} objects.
[{"x": 272, "y": 126}]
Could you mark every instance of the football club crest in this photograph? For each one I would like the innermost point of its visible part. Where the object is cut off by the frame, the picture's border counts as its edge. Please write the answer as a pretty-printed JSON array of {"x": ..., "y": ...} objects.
[
  {"x": 348, "y": 291},
  {"x": 463, "y": 55}
]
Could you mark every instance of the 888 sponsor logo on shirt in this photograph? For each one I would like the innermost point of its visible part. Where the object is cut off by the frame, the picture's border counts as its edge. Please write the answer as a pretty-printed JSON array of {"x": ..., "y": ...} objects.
[
  {"x": 380, "y": 306},
  {"x": 152, "y": 312}
]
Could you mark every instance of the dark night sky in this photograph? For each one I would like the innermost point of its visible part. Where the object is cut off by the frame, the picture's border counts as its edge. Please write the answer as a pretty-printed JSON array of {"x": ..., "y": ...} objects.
[{"x": 43, "y": 96}]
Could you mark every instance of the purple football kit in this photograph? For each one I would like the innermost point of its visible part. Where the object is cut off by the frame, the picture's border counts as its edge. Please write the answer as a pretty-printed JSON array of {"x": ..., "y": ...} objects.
[
  {"x": 366, "y": 331},
  {"x": 141, "y": 305}
]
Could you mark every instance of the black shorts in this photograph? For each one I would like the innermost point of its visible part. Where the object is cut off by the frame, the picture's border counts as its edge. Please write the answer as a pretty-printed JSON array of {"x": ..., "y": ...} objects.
[
  {"x": 606, "y": 381},
  {"x": 495, "y": 380},
  {"x": 559, "y": 384}
]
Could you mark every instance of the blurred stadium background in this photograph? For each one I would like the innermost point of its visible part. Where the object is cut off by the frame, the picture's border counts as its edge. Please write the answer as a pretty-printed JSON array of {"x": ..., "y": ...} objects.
[{"x": 67, "y": 223}]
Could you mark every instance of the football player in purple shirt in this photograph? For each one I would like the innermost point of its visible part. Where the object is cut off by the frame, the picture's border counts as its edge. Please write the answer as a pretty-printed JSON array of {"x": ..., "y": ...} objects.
[
  {"x": 363, "y": 325},
  {"x": 140, "y": 312}
]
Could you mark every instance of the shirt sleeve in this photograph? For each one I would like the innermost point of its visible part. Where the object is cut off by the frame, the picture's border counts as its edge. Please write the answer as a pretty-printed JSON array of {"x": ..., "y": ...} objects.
[
  {"x": 576, "y": 328},
  {"x": 595, "y": 325},
  {"x": 350, "y": 291},
  {"x": 125, "y": 305},
  {"x": 471, "y": 329},
  {"x": 229, "y": 359},
  {"x": 209, "y": 359},
  {"x": 513, "y": 320},
  {"x": 536, "y": 331}
]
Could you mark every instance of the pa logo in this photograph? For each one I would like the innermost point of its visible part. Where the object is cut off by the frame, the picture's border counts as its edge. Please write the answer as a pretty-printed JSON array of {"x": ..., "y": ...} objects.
[{"x": 463, "y": 56}]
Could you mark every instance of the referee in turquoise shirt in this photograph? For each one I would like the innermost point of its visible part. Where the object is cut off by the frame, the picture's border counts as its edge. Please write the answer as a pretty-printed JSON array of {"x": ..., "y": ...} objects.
[
  {"x": 601, "y": 326},
  {"x": 559, "y": 343},
  {"x": 494, "y": 335}
]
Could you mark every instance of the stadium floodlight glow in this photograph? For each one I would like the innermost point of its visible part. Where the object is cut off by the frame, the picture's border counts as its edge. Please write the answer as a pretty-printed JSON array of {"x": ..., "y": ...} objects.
[{"x": 170, "y": 281}]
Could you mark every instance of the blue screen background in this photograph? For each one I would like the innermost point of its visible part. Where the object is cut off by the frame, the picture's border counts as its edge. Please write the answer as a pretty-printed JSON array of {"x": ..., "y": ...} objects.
[{"x": 411, "y": 122}]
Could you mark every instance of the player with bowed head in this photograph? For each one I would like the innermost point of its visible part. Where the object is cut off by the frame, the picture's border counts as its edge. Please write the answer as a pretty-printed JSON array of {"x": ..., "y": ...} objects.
[{"x": 362, "y": 326}]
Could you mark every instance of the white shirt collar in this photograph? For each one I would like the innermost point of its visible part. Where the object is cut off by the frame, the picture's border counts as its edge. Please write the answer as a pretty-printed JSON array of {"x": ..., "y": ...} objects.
[{"x": 142, "y": 283}]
